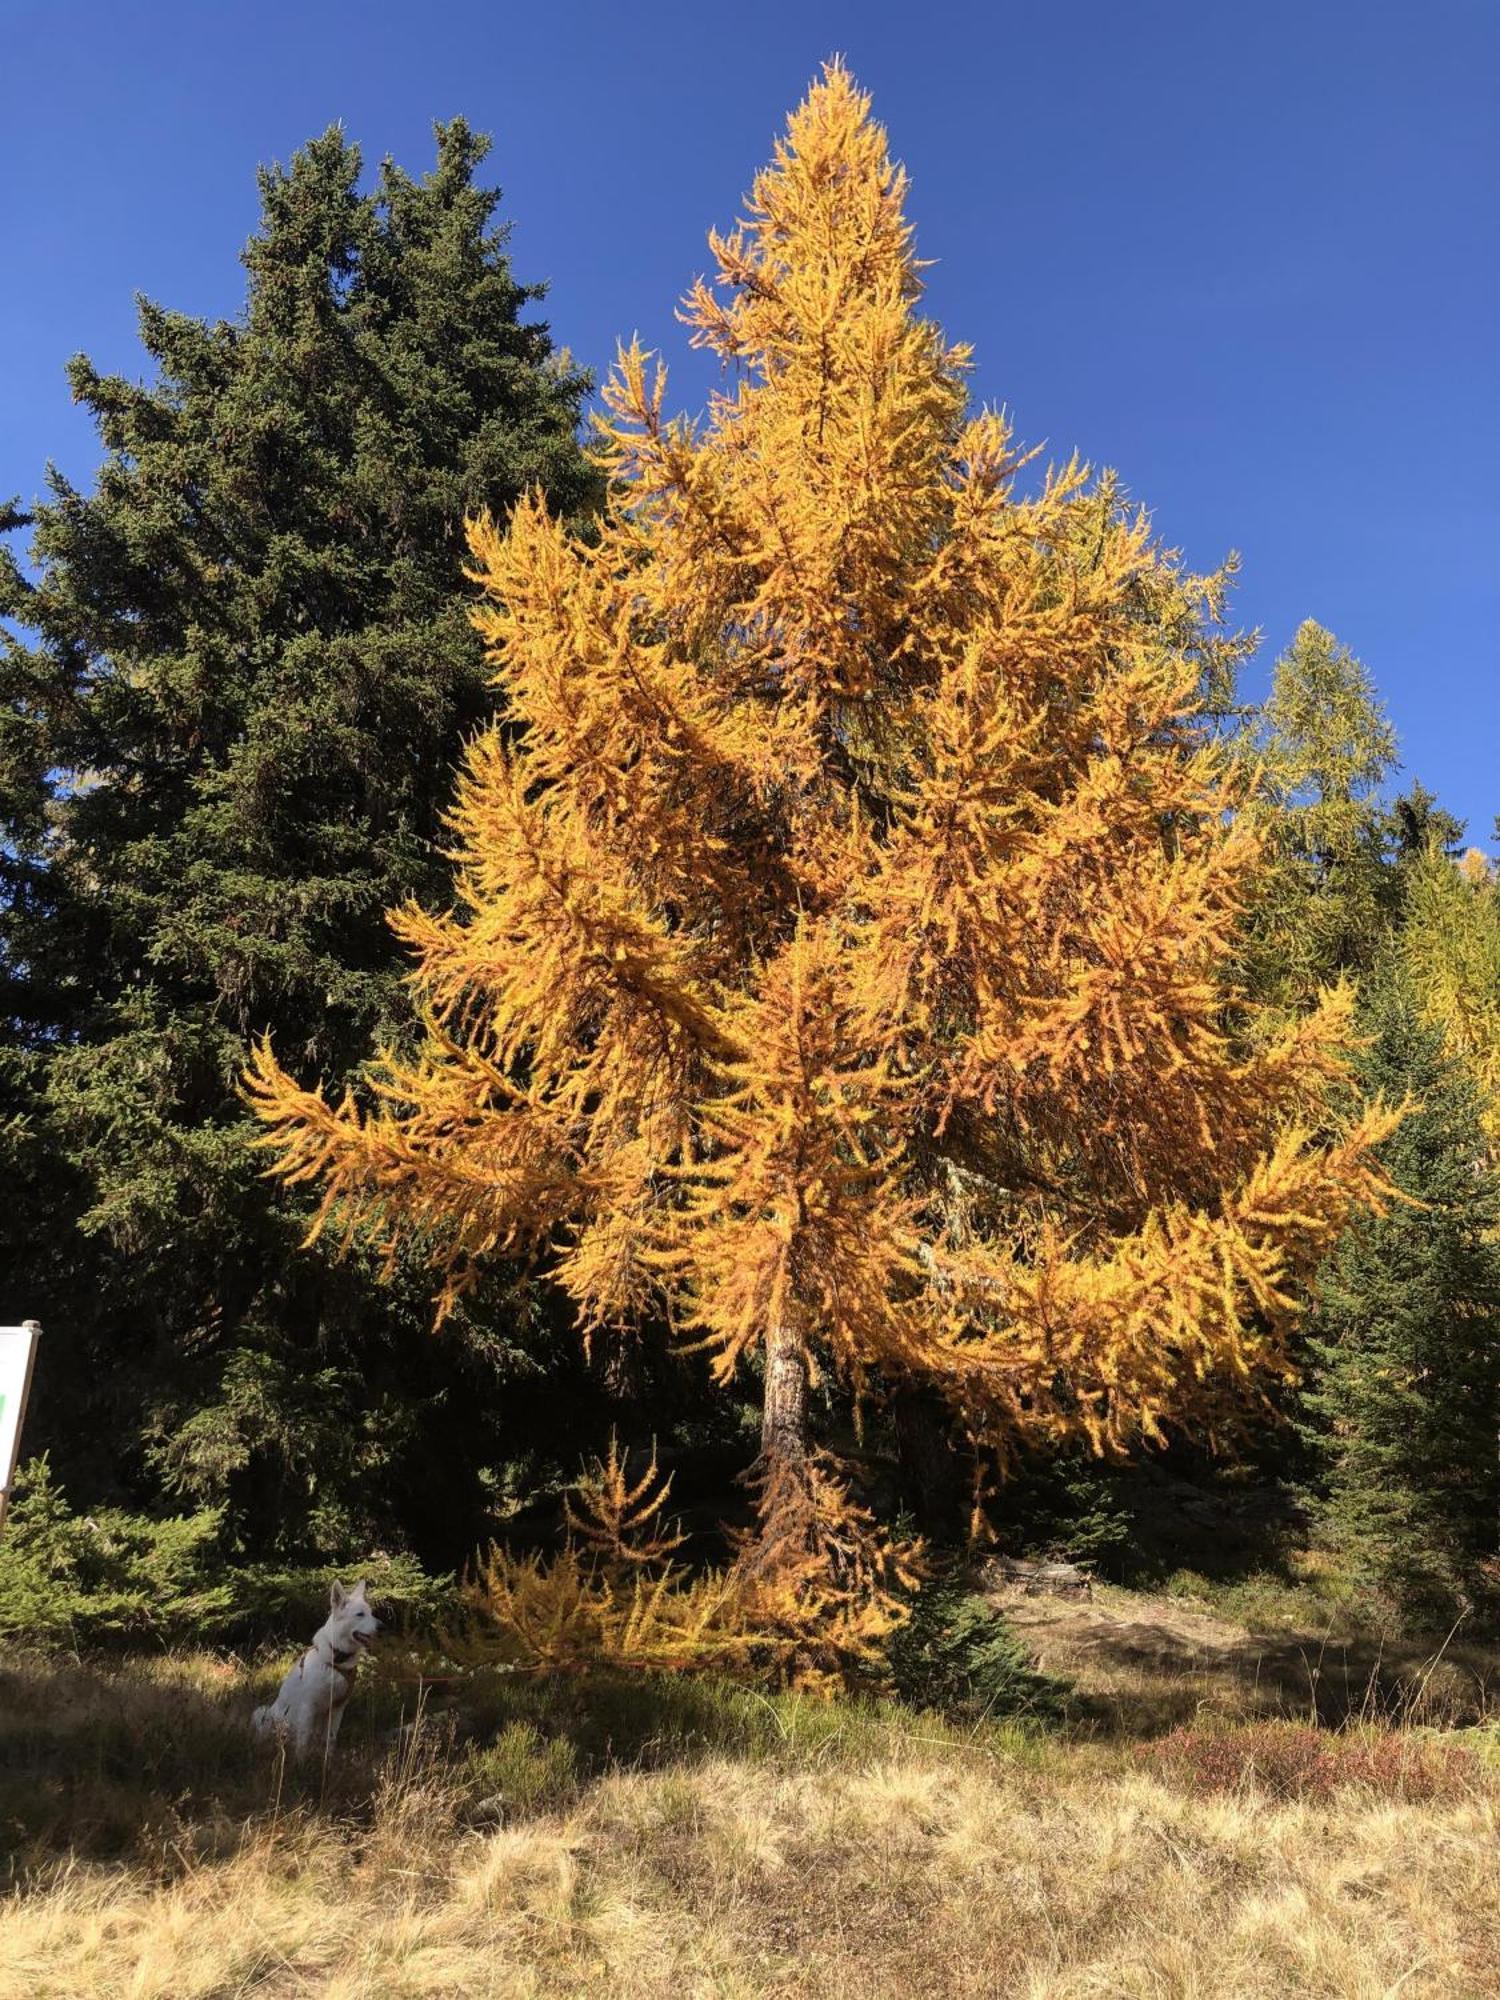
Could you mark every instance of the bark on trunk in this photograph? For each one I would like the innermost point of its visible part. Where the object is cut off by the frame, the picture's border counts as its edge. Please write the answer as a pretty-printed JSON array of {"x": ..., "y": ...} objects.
[
  {"x": 616, "y": 1362},
  {"x": 783, "y": 1423},
  {"x": 782, "y": 1475}
]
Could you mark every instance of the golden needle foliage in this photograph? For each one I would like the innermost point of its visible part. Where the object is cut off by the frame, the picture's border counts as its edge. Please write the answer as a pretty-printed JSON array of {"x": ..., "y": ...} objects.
[
  {"x": 1450, "y": 946},
  {"x": 795, "y": 1606},
  {"x": 614, "y": 1596},
  {"x": 846, "y": 898}
]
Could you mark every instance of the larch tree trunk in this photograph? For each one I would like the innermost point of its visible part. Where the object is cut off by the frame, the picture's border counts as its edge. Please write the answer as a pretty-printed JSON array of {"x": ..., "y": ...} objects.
[{"x": 783, "y": 1424}]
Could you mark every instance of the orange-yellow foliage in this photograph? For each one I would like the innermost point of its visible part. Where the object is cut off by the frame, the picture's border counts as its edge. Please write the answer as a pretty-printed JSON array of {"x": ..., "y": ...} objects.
[
  {"x": 1450, "y": 947},
  {"x": 795, "y": 1606},
  {"x": 615, "y": 1594},
  {"x": 846, "y": 899}
]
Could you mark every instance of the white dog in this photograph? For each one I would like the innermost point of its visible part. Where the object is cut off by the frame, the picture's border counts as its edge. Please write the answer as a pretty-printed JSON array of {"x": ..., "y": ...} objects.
[{"x": 310, "y": 1705}]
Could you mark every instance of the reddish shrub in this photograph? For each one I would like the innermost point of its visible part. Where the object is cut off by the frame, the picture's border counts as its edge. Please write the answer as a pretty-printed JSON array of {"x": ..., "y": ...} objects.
[{"x": 1295, "y": 1761}]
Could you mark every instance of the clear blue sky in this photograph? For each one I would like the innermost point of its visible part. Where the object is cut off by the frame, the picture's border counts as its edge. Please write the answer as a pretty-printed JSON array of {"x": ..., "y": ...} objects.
[{"x": 1247, "y": 253}]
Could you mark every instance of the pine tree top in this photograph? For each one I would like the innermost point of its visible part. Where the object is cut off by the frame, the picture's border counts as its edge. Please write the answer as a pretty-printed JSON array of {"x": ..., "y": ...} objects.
[{"x": 245, "y": 645}]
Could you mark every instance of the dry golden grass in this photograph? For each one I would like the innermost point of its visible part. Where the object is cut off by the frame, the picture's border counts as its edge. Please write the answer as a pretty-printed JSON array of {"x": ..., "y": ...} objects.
[
  {"x": 906, "y": 1878},
  {"x": 845, "y": 1855}
]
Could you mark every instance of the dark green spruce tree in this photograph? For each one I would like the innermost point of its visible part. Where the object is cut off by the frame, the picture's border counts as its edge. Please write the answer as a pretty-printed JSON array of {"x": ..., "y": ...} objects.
[
  {"x": 235, "y": 683},
  {"x": 1403, "y": 1405}
]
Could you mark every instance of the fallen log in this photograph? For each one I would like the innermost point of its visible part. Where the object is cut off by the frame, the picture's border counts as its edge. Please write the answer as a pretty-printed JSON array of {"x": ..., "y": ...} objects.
[{"x": 1036, "y": 1579}]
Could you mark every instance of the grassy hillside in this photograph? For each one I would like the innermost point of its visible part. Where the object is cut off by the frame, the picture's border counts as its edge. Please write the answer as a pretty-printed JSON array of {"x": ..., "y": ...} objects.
[{"x": 684, "y": 1839}]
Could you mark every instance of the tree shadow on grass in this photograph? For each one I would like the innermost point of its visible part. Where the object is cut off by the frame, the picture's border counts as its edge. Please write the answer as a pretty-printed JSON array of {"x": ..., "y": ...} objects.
[{"x": 151, "y": 1762}]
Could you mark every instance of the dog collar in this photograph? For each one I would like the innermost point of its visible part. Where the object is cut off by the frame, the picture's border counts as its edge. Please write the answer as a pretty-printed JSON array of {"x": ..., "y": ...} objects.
[{"x": 341, "y": 1660}]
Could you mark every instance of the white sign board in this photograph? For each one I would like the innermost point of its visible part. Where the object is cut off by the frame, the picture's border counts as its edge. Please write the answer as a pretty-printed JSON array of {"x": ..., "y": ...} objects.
[{"x": 17, "y": 1347}]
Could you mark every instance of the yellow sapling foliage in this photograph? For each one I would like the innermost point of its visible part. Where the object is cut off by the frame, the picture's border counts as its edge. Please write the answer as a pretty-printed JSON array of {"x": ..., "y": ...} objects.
[
  {"x": 614, "y": 1596},
  {"x": 846, "y": 901},
  {"x": 621, "y": 1522}
]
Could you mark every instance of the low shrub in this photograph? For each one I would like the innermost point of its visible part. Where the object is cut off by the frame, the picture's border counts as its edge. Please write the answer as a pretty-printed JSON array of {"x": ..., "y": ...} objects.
[
  {"x": 1314, "y": 1595},
  {"x": 1297, "y": 1761},
  {"x": 77, "y": 1580},
  {"x": 521, "y": 1771},
  {"x": 280, "y": 1599},
  {"x": 116, "y": 1578},
  {"x": 956, "y": 1654}
]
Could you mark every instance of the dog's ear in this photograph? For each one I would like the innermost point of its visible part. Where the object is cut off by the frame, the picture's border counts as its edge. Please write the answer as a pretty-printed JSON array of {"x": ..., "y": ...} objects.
[
  {"x": 336, "y": 1597},
  {"x": 361, "y": 1590}
]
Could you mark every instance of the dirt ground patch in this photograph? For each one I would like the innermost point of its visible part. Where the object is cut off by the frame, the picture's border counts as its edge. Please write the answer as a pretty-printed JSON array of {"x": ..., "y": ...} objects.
[{"x": 1143, "y": 1662}]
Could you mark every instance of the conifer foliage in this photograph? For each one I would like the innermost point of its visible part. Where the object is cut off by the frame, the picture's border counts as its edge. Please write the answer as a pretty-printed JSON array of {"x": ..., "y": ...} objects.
[
  {"x": 1450, "y": 949},
  {"x": 1326, "y": 747},
  {"x": 235, "y": 688},
  {"x": 1405, "y": 1389},
  {"x": 615, "y": 1595},
  {"x": 845, "y": 906}
]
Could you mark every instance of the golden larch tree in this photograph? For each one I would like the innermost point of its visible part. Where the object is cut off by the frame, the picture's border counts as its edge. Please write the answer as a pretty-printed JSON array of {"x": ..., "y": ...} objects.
[
  {"x": 1450, "y": 947},
  {"x": 845, "y": 902}
]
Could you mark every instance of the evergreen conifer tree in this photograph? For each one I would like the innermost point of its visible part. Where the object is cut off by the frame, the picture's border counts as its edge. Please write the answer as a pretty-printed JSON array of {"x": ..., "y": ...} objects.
[
  {"x": 842, "y": 958},
  {"x": 1450, "y": 948},
  {"x": 1325, "y": 746},
  {"x": 1404, "y": 1393},
  {"x": 240, "y": 676}
]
